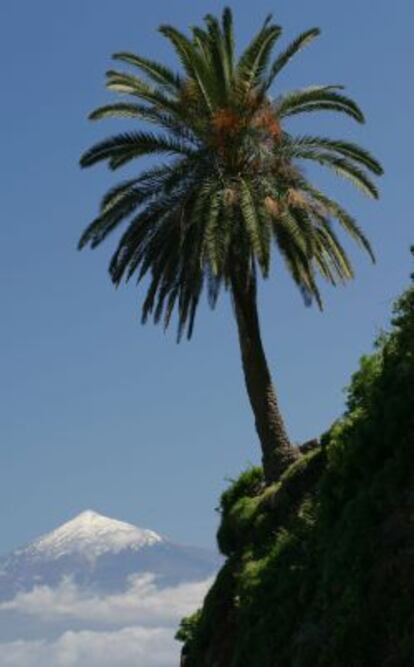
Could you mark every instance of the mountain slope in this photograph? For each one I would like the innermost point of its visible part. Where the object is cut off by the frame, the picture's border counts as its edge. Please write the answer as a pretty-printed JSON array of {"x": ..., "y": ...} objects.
[{"x": 101, "y": 554}]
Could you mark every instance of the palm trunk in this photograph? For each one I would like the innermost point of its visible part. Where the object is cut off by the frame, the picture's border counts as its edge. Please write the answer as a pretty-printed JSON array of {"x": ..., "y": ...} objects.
[{"x": 277, "y": 452}]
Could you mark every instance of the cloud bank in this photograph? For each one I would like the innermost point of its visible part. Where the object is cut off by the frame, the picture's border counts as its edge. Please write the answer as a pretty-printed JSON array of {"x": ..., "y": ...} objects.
[
  {"x": 143, "y": 603},
  {"x": 129, "y": 647},
  {"x": 131, "y": 629}
]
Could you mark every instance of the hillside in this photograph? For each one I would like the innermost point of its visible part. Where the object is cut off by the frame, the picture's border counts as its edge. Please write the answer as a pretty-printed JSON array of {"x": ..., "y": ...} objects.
[{"x": 320, "y": 566}]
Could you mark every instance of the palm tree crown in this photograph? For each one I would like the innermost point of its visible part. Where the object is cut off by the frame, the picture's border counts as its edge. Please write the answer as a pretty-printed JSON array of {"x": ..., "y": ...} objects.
[{"x": 231, "y": 189}]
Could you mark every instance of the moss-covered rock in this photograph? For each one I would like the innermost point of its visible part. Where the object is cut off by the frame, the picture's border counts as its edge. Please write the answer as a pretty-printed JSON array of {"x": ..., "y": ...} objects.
[{"x": 320, "y": 569}]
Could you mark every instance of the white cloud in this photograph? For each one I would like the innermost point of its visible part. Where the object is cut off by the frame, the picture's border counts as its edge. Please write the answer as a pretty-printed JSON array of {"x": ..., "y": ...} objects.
[
  {"x": 142, "y": 604},
  {"x": 129, "y": 647},
  {"x": 131, "y": 629}
]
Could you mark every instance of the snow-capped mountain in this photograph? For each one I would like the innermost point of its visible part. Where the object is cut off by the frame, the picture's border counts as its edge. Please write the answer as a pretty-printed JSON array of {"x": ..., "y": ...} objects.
[
  {"x": 98, "y": 592},
  {"x": 100, "y": 553},
  {"x": 91, "y": 535}
]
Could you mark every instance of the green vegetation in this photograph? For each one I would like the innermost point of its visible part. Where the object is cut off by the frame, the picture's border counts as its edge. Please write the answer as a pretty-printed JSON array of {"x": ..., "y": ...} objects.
[
  {"x": 320, "y": 565},
  {"x": 231, "y": 190}
]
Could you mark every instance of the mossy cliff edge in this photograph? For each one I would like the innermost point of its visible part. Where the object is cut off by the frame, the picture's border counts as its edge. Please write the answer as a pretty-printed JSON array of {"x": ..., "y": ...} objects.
[{"x": 320, "y": 566}]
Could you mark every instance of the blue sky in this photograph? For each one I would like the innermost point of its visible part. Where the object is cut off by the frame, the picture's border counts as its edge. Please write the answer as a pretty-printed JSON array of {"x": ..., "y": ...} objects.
[{"x": 98, "y": 411}]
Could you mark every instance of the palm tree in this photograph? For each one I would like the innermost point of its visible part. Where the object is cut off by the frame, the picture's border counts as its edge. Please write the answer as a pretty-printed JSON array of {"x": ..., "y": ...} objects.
[{"x": 229, "y": 191}]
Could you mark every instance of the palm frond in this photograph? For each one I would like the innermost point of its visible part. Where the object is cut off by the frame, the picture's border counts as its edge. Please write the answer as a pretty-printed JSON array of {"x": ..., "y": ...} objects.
[
  {"x": 331, "y": 258},
  {"x": 112, "y": 196},
  {"x": 293, "y": 250},
  {"x": 216, "y": 55},
  {"x": 158, "y": 73},
  {"x": 122, "y": 110},
  {"x": 228, "y": 35},
  {"x": 147, "y": 176},
  {"x": 284, "y": 58},
  {"x": 124, "y": 83},
  {"x": 254, "y": 226},
  {"x": 165, "y": 120},
  {"x": 125, "y": 204},
  {"x": 317, "y": 98},
  {"x": 195, "y": 66},
  {"x": 344, "y": 218},
  {"x": 347, "y": 149},
  {"x": 344, "y": 168},
  {"x": 211, "y": 234},
  {"x": 123, "y": 200},
  {"x": 132, "y": 251},
  {"x": 255, "y": 58},
  {"x": 122, "y": 148}
]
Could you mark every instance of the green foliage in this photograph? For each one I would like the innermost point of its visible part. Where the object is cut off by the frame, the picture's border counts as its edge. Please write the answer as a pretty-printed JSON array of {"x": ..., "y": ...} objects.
[
  {"x": 237, "y": 506},
  {"x": 248, "y": 485},
  {"x": 235, "y": 526},
  {"x": 188, "y": 627},
  {"x": 321, "y": 563},
  {"x": 363, "y": 382},
  {"x": 231, "y": 187}
]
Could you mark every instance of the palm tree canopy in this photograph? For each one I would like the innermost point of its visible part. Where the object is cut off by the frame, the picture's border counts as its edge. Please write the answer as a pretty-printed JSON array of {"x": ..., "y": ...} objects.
[{"x": 229, "y": 188}]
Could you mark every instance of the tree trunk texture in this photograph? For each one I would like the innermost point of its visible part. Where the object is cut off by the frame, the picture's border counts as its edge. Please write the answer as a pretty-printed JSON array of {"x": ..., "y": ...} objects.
[{"x": 277, "y": 452}]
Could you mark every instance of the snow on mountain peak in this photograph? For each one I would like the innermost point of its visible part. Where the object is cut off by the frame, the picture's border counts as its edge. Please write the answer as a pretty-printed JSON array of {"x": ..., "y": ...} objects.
[{"x": 91, "y": 535}]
